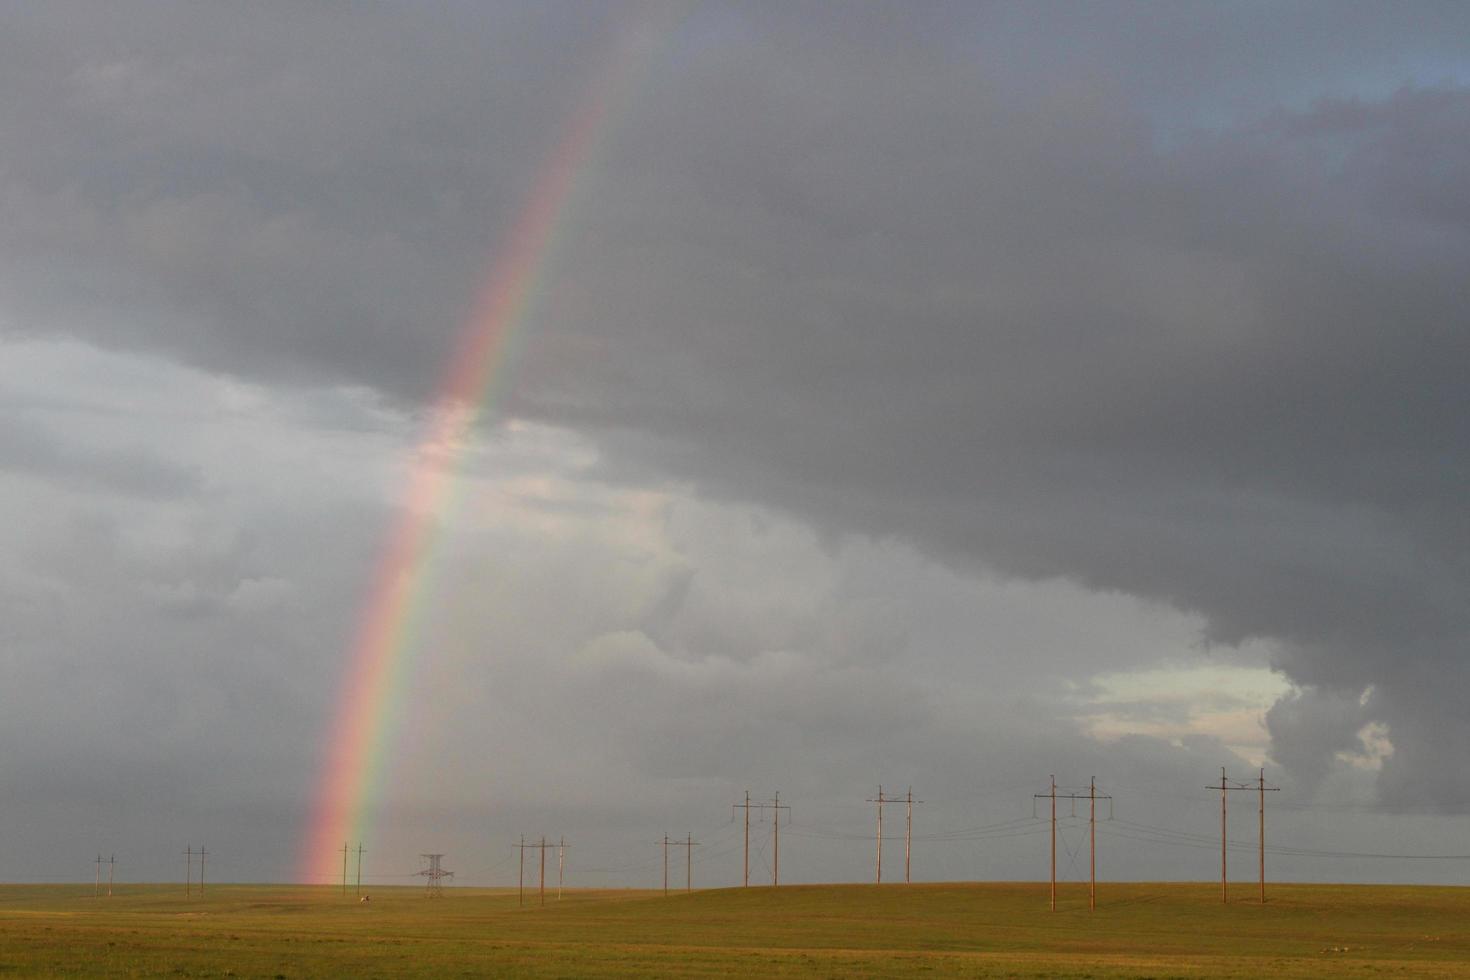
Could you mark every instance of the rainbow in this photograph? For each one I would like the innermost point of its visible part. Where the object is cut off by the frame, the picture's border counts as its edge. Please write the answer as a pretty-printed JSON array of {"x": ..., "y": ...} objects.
[{"x": 360, "y": 740}]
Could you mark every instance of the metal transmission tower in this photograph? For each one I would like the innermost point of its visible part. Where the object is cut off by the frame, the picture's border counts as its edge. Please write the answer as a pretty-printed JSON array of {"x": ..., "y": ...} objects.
[
  {"x": 1260, "y": 787},
  {"x": 435, "y": 874},
  {"x": 1091, "y": 796}
]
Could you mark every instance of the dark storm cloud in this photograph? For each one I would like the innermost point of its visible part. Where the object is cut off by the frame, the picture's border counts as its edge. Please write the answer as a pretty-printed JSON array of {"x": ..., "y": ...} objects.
[{"x": 1169, "y": 301}]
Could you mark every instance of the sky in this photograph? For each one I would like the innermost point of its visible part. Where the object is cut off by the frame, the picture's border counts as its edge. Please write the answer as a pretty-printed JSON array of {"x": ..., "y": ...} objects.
[{"x": 932, "y": 396}]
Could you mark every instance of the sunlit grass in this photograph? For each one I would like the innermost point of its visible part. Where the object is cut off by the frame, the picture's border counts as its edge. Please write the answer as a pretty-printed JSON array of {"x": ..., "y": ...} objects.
[{"x": 832, "y": 931}]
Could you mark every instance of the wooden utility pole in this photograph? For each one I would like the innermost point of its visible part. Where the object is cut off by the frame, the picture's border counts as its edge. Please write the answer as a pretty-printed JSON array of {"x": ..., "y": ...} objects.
[
  {"x": 1092, "y": 844},
  {"x": 344, "y": 869},
  {"x": 359, "y": 869},
  {"x": 97, "y": 880},
  {"x": 908, "y": 835},
  {"x": 111, "y": 865},
  {"x": 666, "y": 865},
  {"x": 745, "y": 878},
  {"x": 1260, "y": 787},
  {"x": 561, "y": 864},
  {"x": 776, "y": 807},
  {"x": 521, "y": 879},
  {"x": 880, "y": 799},
  {"x": 1092, "y": 796},
  {"x": 188, "y": 869},
  {"x": 202, "y": 853},
  {"x": 543, "y": 871},
  {"x": 1052, "y": 795}
]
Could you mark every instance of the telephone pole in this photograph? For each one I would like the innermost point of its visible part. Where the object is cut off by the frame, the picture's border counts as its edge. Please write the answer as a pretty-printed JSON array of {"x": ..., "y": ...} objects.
[
  {"x": 561, "y": 864},
  {"x": 359, "y": 869},
  {"x": 776, "y": 806},
  {"x": 344, "y": 869},
  {"x": 521, "y": 879},
  {"x": 188, "y": 869},
  {"x": 1091, "y": 796},
  {"x": 202, "y": 853},
  {"x": 97, "y": 880},
  {"x": 111, "y": 865},
  {"x": 543, "y": 871},
  {"x": 689, "y": 844},
  {"x": 745, "y": 879},
  {"x": 908, "y": 833},
  {"x": 878, "y": 837},
  {"x": 1225, "y": 787}
]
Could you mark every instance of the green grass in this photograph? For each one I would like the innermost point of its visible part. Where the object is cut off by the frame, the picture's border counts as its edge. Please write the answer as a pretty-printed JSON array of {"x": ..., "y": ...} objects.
[{"x": 1138, "y": 930}]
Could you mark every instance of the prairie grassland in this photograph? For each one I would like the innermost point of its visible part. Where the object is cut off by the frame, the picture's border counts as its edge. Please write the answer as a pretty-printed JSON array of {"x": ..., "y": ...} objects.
[{"x": 1138, "y": 930}]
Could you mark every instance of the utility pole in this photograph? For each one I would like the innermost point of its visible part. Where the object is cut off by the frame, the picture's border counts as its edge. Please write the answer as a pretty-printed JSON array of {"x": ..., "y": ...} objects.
[
  {"x": 908, "y": 834},
  {"x": 202, "y": 853},
  {"x": 111, "y": 865},
  {"x": 745, "y": 879},
  {"x": 543, "y": 871},
  {"x": 344, "y": 869},
  {"x": 521, "y": 880},
  {"x": 97, "y": 880},
  {"x": 359, "y": 869},
  {"x": 1053, "y": 797},
  {"x": 777, "y": 807},
  {"x": 688, "y": 844},
  {"x": 561, "y": 864},
  {"x": 880, "y": 799},
  {"x": 1091, "y": 796},
  {"x": 1226, "y": 786},
  {"x": 188, "y": 869}
]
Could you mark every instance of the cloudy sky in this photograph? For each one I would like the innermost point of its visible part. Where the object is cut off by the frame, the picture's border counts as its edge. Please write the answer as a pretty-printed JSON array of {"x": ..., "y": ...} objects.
[{"x": 931, "y": 395}]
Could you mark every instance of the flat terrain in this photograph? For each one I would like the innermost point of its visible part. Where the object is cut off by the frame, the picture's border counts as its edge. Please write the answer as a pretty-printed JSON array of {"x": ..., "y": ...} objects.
[{"x": 1138, "y": 930}]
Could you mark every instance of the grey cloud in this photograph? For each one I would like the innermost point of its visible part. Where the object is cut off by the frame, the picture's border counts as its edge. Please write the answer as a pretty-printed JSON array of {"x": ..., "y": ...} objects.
[
  {"x": 1043, "y": 294},
  {"x": 27, "y": 448}
]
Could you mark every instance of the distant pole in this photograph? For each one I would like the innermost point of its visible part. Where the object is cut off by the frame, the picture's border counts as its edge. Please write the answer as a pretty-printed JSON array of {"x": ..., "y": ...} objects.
[
  {"x": 1053, "y": 843},
  {"x": 97, "y": 880},
  {"x": 689, "y": 863},
  {"x": 188, "y": 869},
  {"x": 1263, "y": 834},
  {"x": 1223, "y": 837},
  {"x": 521, "y": 886},
  {"x": 1092, "y": 834},
  {"x": 202, "y": 853},
  {"x": 908, "y": 834},
  {"x": 745, "y": 881},
  {"x": 359, "y": 869},
  {"x": 776, "y": 865},
  {"x": 879, "y": 875},
  {"x": 666, "y": 865},
  {"x": 561, "y": 864},
  {"x": 344, "y": 869},
  {"x": 543, "y": 870},
  {"x": 111, "y": 865}
]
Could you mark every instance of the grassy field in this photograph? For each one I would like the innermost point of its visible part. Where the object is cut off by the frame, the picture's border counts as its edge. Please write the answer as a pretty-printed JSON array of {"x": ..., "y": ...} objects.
[{"x": 1138, "y": 930}]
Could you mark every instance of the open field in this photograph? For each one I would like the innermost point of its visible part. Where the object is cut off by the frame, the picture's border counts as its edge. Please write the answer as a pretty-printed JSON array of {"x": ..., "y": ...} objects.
[{"x": 1139, "y": 930}]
